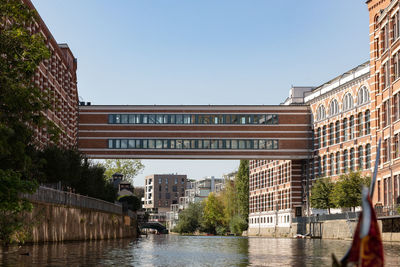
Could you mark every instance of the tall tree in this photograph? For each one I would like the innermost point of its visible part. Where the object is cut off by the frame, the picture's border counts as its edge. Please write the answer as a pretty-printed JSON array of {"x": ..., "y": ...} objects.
[
  {"x": 22, "y": 103},
  {"x": 321, "y": 194},
  {"x": 242, "y": 190},
  {"x": 190, "y": 218},
  {"x": 213, "y": 214},
  {"x": 22, "y": 108},
  {"x": 128, "y": 167},
  {"x": 348, "y": 189}
]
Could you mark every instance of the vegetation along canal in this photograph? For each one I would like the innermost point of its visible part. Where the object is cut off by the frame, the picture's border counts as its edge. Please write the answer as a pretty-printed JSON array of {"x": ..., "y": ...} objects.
[{"x": 174, "y": 250}]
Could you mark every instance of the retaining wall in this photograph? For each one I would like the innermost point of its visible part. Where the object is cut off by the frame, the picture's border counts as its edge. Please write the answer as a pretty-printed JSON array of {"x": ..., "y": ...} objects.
[{"x": 53, "y": 222}]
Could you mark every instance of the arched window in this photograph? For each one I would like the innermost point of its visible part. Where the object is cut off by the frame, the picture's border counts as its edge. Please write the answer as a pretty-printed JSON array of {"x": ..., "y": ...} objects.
[
  {"x": 368, "y": 156},
  {"x": 363, "y": 95},
  {"x": 321, "y": 113},
  {"x": 333, "y": 108},
  {"x": 348, "y": 102},
  {"x": 360, "y": 158}
]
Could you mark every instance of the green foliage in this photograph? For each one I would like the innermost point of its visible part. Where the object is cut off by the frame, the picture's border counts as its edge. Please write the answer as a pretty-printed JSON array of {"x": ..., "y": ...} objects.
[
  {"x": 242, "y": 189},
  {"x": 128, "y": 167},
  {"x": 132, "y": 202},
  {"x": 75, "y": 172},
  {"x": 22, "y": 102},
  {"x": 348, "y": 189},
  {"x": 229, "y": 200},
  {"x": 190, "y": 219},
  {"x": 321, "y": 194},
  {"x": 237, "y": 225},
  {"x": 213, "y": 214},
  {"x": 11, "y": 205}
]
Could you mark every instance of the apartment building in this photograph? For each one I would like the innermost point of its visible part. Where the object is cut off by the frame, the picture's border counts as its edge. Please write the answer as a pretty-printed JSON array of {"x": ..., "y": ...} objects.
[{"x": 163, "y": 190}]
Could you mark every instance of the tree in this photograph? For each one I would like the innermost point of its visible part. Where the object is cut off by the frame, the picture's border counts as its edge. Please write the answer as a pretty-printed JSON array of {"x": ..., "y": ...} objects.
[
  {"x": 128, "y": 167},
  {"x": 229, "y": 200},
  {"x": 321, "y": 194},
  {"x": 11, "y": 205},
  {"x": 190, "y": 218},
  {"x": 348, "y": 189},
  {"x": 242, "y": 190},
  {"x": 22, "y": 109},
  {"x": 213, "y": 214},
  {"x": 22, "y": 103}
]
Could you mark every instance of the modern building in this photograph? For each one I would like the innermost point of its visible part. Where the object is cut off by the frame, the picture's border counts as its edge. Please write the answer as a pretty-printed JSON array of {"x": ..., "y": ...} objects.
[
  {"x": 197, "y": 191},
  {"x": 163, "y": 190},
  {"x": 57, "y": 75}
]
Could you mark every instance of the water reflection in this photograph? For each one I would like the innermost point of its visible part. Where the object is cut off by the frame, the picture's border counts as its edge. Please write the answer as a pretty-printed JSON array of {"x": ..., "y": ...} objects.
[{"x": 171, "y": 250}]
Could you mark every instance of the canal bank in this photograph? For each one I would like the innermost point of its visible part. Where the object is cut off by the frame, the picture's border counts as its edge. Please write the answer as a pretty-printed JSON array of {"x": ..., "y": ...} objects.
[
  {"x": 62, "y": 216},
  {"x": 329, "y": 229}
]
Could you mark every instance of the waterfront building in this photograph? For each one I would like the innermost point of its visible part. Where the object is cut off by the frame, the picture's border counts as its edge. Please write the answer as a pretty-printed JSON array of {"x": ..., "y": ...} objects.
[
  {"x": 57, "y": 75},
  {"x": 163, "y": 190}
]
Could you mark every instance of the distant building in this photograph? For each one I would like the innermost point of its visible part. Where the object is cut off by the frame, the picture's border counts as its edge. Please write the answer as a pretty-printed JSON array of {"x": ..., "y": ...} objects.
[
  {"x": 124, "y": 188},
  {"x": 163, "y": 190},
  {"x": 196, "y": 191}
]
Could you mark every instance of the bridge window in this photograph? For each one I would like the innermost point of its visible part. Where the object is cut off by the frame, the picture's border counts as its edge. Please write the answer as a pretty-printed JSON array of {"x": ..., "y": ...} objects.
[
  {"x": 193, "y": 119},
  {"x": 243, "y": 144}
]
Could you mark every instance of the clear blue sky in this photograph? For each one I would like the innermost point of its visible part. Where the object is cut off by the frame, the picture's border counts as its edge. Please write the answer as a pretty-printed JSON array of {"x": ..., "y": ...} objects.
[{"x": 206, "y": 52}]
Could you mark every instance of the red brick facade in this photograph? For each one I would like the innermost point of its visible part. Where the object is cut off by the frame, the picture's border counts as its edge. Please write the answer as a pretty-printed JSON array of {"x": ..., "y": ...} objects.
[{"x": 58, "y": 76}]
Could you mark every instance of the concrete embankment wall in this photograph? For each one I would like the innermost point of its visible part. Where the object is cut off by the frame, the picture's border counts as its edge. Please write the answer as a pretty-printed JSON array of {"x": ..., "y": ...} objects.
[
  {"x": 331, "y": 229},
  {"x": 53, "y": 222}
]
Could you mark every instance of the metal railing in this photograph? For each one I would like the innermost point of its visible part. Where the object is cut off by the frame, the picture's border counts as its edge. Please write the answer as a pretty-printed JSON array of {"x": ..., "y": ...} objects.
[
  {"x": 385, "y": 211},
  {"x": 49, "y": 195},
  {"x": 327, "y": 217}
]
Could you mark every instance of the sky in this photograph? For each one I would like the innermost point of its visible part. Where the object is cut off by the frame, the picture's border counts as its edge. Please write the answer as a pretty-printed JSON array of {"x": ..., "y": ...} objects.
[{"x": 205, "y": 52}]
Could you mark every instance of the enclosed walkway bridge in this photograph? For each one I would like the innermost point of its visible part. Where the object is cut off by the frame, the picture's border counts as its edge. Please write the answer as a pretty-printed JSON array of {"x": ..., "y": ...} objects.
[{"x": 195, "y": 132}]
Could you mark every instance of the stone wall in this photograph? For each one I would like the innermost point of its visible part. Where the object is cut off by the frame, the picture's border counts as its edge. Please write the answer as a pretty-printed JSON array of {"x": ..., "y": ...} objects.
[
  {"x": 331, "y": 229},
  {"x": 51, "y": 223}
]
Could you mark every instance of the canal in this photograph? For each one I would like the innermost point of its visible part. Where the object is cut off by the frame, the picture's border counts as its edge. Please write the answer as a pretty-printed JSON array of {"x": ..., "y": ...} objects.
[{"x": 173, "y": 250}]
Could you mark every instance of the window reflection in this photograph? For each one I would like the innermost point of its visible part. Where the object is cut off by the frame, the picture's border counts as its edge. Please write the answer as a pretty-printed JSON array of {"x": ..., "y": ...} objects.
[{"x": 257, "y": 144}]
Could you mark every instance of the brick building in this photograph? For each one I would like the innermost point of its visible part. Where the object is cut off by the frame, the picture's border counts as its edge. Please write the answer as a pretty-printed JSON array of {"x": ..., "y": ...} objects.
[
  {"x": 163, "y": 190},
  {"x": 350, "y": 113},
  {"x": 58, "y": 76}
]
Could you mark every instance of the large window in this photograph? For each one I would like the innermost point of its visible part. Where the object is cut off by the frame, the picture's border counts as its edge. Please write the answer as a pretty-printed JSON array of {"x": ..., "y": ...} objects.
[
  {"x": 367, "y": 122},
  {"x": 337, "y": 162},
  {"x": 333, "y": 108},
  {"x": 347, "y": 102},
  {"x": 331, "y": 164},
  {"x": 331, "y": 134},
  {"x": 324, "y": 136},
  {"x": 360, "y": 158},
  {"x": 360, "y": 124},
  {"x": 368, "y": 156},
  {"x": 345, "y": 161},
  {"x": 193, "y": 119},
  {"x": 362, "y": 95},
  {"x": 321, "y": 115},
  {"x": 253, "y": 144},
  {"x": 351, "y": 129},
  {"x": 352, "y": 160},
  {"x": 337, "y": 128},
  {"x": 345, "y": 133}
]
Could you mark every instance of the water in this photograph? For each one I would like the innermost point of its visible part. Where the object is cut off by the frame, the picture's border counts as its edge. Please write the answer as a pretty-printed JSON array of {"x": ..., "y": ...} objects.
[{"x": 172, "y": 250}]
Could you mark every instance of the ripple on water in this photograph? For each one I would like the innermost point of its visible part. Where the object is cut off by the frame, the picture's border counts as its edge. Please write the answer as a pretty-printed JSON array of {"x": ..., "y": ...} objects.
[{"x": 173, "y": 250}]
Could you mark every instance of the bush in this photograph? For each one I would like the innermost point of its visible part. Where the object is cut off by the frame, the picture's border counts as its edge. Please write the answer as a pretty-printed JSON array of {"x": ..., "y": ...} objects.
[
  {"x": 130, "y": 202},
  {"x": 237, "y": 225}
]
